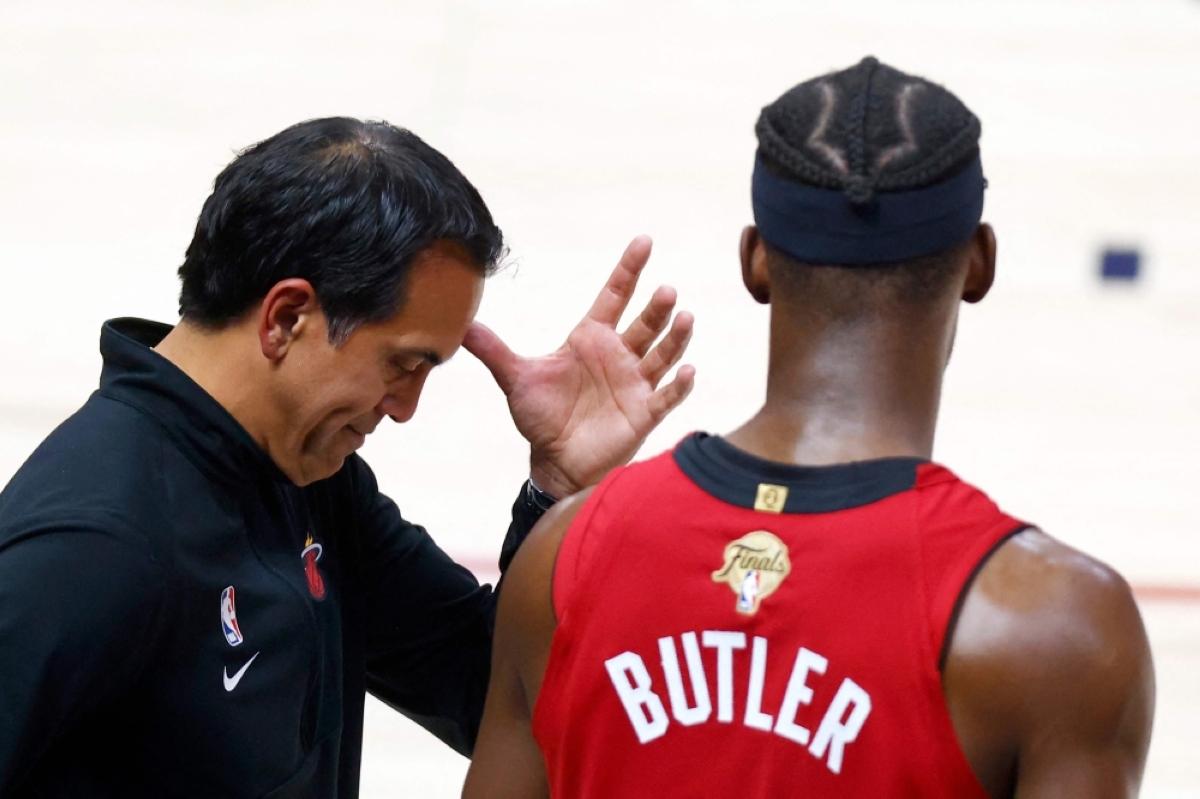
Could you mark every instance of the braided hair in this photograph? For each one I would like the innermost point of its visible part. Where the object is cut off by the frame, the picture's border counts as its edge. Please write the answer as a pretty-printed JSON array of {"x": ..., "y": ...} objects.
[
  {"x": 863, "y": 131},
  {"x": 867, "y": 129}
]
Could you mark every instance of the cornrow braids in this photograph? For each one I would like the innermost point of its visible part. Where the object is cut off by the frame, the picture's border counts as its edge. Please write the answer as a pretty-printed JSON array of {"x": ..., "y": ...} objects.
[{"x": 867, "y": 129}]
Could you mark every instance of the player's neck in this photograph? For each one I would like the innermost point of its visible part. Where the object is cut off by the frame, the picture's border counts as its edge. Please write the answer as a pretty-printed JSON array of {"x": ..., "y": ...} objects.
[{"x": 841, "y": 393}]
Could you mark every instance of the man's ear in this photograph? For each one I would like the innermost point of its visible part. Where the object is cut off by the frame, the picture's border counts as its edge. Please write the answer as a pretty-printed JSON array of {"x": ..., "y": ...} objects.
[
  {"x": 289, "y": 311},
  {"x": 981, "y": 271},
  {"x": 755, "y": 275}
]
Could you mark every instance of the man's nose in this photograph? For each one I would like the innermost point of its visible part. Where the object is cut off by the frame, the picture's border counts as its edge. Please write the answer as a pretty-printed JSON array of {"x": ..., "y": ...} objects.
[{"x": 401, "y": 403}]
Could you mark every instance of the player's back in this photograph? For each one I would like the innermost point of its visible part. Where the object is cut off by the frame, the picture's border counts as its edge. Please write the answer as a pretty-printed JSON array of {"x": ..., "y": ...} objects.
[{"x": 730, "y": 626}]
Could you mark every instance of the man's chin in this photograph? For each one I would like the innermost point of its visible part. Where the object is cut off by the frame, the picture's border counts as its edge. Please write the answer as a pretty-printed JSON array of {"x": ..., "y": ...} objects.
[{"x": 315, "y": 470}]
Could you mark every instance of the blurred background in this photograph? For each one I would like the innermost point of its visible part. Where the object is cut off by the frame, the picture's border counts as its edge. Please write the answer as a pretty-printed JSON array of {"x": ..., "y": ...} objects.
[{"x": 1074, "y": 401}]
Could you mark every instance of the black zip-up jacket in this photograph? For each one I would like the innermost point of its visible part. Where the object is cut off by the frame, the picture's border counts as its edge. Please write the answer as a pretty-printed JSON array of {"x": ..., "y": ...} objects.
[{"x": 179, "y": 619}]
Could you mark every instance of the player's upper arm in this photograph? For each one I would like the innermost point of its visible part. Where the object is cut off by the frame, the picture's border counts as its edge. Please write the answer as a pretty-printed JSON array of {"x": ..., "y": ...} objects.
[
  {"x": 507, "y": 762},
  {"x": 1049, "y": 677}
]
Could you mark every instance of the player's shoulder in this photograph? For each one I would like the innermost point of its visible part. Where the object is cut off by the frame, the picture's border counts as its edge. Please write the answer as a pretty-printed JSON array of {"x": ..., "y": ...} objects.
[
  {"x": 1048, "y": 659},
  {"x": 1063, "y": 595},
  {"x": 1035, "y": 606},
  {"x": 941, "y": 490},
  {"x": 628, "y": 488},
  {"x": 534, "y": 564},
  {"x": 1052, "y": 628},
  {"x": 621, "y": 489},
  {"x": 1034, "y": 560},
  {"x": 534, "y": 567},
  {"x": 959, "y": 525}
]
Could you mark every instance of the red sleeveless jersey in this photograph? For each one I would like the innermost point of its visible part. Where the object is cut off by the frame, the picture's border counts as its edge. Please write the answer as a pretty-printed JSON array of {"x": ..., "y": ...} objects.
[{"x": 729, "y": 626}]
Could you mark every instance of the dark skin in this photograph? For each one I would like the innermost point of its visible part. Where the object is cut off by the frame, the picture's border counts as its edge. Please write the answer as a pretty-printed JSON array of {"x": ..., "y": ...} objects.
[{"x": 1047, "y": 673}]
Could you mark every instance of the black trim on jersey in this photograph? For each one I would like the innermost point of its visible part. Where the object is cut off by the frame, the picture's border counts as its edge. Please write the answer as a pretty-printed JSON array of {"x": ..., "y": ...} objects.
[
  {"x": 733, "y": 476},
  {"x": 948, "y": 633}
]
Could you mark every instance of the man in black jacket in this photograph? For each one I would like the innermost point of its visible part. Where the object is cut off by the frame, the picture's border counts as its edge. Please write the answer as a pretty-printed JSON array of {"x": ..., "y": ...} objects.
[{"x": 199, "y": 578}]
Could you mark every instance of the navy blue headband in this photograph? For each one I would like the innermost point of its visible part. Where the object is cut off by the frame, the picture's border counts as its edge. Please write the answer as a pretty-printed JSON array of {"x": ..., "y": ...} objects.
[{"x": 821, "y": 226}]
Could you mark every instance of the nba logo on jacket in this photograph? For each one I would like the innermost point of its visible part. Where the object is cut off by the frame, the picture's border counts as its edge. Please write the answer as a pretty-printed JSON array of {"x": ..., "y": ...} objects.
[{"x": 229, "y": 623}]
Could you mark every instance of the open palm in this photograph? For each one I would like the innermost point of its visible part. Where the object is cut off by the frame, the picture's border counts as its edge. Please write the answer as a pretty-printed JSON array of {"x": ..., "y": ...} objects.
[{"x": 587, "y": 407}]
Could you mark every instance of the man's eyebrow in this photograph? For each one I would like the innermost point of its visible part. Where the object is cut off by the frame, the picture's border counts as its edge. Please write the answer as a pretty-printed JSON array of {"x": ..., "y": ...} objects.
[{"x": 426, "y": 355}]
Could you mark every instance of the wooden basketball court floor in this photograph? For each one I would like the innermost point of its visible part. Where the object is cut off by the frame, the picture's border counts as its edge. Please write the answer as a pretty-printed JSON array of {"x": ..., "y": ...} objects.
[{"x": 584, "y": 122}]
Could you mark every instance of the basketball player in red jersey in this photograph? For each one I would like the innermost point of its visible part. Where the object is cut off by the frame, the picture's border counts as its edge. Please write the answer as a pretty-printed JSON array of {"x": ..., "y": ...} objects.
[{"x": 810, "y": 606}]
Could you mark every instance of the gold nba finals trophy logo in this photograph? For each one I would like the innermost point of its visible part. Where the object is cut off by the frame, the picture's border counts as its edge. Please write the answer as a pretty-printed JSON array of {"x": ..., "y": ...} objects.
[{"x": 755, "y": 566}]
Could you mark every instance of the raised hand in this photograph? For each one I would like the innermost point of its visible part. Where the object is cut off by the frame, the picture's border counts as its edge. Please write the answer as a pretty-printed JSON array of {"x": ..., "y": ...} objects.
[{"x": 587, "y": 407}]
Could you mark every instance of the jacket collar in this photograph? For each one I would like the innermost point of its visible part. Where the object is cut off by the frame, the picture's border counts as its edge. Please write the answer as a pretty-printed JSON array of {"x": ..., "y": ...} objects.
[{"x": 204, "y": 431}]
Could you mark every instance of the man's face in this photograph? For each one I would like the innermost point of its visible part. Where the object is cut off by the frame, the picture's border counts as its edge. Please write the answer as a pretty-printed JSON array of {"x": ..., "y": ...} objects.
[{"x": 334, "y": 397}]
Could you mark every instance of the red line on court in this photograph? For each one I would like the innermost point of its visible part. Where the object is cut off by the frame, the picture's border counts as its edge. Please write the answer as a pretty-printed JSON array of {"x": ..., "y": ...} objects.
[
  {"x": 1167, "y": 593},
  {"x": 488, "y": 569}
]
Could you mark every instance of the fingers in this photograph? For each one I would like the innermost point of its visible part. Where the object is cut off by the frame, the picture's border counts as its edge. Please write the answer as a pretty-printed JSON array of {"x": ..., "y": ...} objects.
[
  {"x": 670, "y": 396},
  {"x": 485, "y": 345},
  {"x": 614, "y": 297},
  {"x": 652, "y": 321},
  {"x": 668, "y": 352}
]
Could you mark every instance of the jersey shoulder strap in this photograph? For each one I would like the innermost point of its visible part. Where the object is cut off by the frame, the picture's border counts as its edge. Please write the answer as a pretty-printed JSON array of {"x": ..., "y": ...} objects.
[
  {"x": 959, "y": 527},
  {"x": 588, "y": 548}
]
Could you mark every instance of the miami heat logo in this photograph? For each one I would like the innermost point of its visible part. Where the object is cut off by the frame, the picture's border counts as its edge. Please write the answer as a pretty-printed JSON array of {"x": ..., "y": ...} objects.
[
  {"x": 755, "y": 565},
  {"x": 310, "y": 555}
]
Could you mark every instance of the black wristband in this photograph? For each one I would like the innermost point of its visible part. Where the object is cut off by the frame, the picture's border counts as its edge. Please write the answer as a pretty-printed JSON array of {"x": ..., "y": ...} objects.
[
  {"x": 530, "y": 506},
  {"x": 540, "y": 499}
]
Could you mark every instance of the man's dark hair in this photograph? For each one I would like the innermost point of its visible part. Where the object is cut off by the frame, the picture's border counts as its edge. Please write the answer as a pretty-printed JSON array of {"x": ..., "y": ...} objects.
[
  {"x": 339, "y": 202},
  {"x": 862, "y": 131}
]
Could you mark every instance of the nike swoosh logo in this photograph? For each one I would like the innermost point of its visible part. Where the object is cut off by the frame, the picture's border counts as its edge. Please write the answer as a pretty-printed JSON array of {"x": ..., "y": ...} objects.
[{"x": 231, "y": 682}]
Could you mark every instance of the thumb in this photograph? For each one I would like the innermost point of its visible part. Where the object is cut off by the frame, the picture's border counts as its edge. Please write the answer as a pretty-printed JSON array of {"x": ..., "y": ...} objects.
[{"x": 485, "y": 345}]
